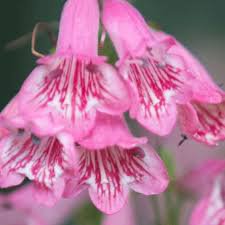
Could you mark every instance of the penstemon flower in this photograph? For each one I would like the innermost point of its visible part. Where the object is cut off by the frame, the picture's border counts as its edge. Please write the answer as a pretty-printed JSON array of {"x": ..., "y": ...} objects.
[
  {"x": 110, "y": 171},
  {"x": 65, "y": 129},
  {"x": 57, "y": 106},
  {"x": 63, "y": 94},
  {"x": 46, "y": 160},
  {"x": 156, "y": 79},
  {"x": 163, "y": 77},
  {"x": 203, "y": 118}
]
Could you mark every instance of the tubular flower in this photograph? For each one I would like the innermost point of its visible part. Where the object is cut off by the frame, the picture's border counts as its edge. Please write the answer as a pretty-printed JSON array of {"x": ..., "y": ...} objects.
[
  {"x": 45, "y": 160},
  {"x": 163, "y": 77},
  {"x": 203, "y": 118},
  {"x": 109, "y": 172},
  {"x": 157, "y": 79},
  {"x": 63, "y": 94},
  {"x": 57, "y": 106}
]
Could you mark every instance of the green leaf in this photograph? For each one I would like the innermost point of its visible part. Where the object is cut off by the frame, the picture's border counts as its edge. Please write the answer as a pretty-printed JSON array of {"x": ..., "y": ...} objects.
[
  {"x": 168, "y": 159},
  {"x": 109, "y": 51},
  {"x": 87, "y": 215}
]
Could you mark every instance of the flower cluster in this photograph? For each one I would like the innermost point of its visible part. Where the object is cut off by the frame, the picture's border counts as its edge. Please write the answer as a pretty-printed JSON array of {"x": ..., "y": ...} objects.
[{"x": 65, "y": 129}]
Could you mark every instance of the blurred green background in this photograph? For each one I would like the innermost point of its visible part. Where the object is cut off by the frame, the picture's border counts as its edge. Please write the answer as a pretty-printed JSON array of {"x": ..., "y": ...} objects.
[{"x": 193, "y": 22}]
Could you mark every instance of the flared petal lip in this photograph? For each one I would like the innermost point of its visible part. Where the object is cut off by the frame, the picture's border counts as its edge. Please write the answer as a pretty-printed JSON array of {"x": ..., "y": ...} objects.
[
  {"x": 127, "y": 144},
  {"x": 97, "y": 93},
  {"x": 151, "y": 170},
  {"x": 191, "y": 126}
]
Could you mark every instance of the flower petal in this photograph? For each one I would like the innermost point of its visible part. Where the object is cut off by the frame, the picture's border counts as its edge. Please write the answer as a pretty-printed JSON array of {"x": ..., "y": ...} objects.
[
  {"x": 65, "y": 96},
  {"x": 10, "y": 118},
  {"x": 154, "y": 90},
  {"x": 110, "y": 131},
  {"x": 107, "y": 199},
  {"x": 49, "y": 196},
  {"x": 79, "y": 27},
  {"x": 43, "y": 162},
  {"x": 155, "y": 179},
  {"x": 203, "y": 122},
  {"x": 128, "y": 31},
  {"x": 110, "y": 171},
  {"x": 204, "y": 89},
  {"x": 9, "y": 180}
]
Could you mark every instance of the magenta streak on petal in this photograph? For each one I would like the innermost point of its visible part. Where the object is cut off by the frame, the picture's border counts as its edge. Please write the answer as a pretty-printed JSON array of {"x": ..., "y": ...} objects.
[
  {"x": 72, "y": 85},
  {"x": 152, "y": 81},
  {"x": 109, "y": 171},
  {"x": 212, "y": 120},
  {"x": 70, "y": 93},
  {"x": 43, "y": 163}
]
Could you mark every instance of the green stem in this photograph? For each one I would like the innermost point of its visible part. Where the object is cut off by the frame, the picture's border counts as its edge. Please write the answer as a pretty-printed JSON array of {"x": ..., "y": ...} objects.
[
  {"x": 173, "y": 204},
  {"x": 156, "y": 209}
]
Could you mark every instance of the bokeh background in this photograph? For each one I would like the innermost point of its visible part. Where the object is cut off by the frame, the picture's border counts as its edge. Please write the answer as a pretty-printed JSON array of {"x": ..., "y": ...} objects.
[{"x": 199, "y": 24}]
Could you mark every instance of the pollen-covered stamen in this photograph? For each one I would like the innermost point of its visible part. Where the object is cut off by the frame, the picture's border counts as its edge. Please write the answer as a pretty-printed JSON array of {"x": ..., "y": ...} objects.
[
  {"x": 43, "y": 162},
  {"x": 212, "y": 121},
  {"x": 156, "y": 82}
]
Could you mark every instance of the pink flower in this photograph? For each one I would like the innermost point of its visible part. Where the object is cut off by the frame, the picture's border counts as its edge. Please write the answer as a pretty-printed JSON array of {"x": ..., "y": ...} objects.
[
  {"x": 203, "y": 118},
  {"x": 163, "y": 77},
  {"x": 109, "y": 172},
  {"x": 208, "y": 182},
  {"x": 205, "y": 89},
  {"x": 58, "y": 106},
  {"x": 157, "y": 79},
  {"x": 63, "y": 94},
  {"x": 18, "y": 208},
  {"x": 46, "y": 161},
  {"x": 202, "y": 121},
  {"x": 210, "y": 210}
]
